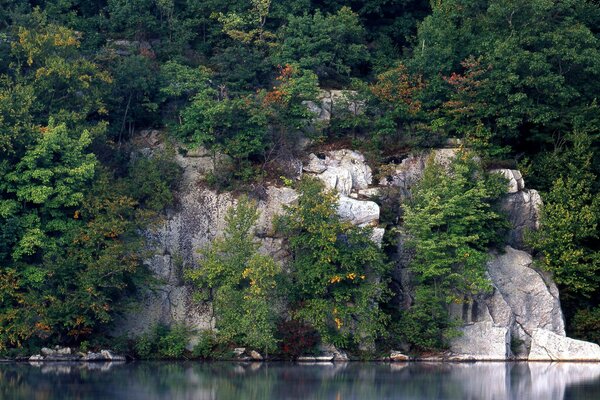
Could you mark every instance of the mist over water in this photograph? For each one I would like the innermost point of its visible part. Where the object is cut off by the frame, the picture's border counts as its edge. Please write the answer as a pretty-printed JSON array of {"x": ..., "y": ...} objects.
[{"x": 208, "y": 381}]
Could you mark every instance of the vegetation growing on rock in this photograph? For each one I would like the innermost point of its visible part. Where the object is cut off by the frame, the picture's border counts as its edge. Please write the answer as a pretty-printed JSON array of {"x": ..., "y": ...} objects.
[{"x": 80, "y": 79}]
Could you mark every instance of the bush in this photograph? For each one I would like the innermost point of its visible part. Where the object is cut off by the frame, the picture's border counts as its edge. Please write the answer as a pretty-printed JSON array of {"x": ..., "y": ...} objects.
[
  {"x": 173, "y": 343},
  {"x": 586, "y": 324},
  {"x": 450, "y": 223},
  {"x": 241, "y": 282},
  {"x": 296, "y": 338},
  {"x": 205, "y": 348},
  {"x": 163, "y": 341},
  {"x": 337, "y": 270}
]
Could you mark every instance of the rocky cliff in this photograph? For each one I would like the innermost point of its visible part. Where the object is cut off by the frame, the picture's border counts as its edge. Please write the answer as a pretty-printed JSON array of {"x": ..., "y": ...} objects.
[{"x": 521, "y": 318}]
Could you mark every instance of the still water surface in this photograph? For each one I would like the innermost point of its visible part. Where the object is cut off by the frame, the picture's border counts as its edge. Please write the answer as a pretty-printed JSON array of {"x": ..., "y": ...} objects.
[{"x": 224, "y": 381}]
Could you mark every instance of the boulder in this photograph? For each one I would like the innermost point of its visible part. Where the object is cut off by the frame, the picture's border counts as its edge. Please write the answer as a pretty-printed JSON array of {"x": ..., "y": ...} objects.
[
  {"x": 331, "y": 350},
  {"x": 523, "y": 213},
  {"x": 530, "y": 294},
  {"x": 548, "y": 346},
  {"x": 358, "y": 212},
  {"x": 110, "y": 356},
  {"x": 398, "y": 356},
  {"x": 239, "y": 351},
  {"x": 514, "y": 177},
  {"x": 522, "y": 300},
  {"x": 483, "y": 341},
  {"x": 342, "y": 170},
  {"x": 410, "y": 169},
  {"x": 314, "y": 164},
  {"x": 338, "y": 179},
  {"x": 90, "y": 356},
  {"x": 255, "y": 355}
]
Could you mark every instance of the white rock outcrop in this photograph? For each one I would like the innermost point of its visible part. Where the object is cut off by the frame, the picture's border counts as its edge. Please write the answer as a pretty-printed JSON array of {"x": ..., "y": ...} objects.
[
  {"x": 483, "y": 341},
  {"x": 358, "y": 212},
  {"x": 548, "y": 346},
  {"x": 523, "y": 210},
  {"x": 514, "y": 177},
  {"x": 342, "y": 170}
]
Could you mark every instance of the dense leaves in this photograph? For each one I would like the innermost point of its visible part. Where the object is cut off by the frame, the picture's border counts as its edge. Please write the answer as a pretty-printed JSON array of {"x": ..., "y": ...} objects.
[
  {"x": 450, "y": 223},
  {"x": 240, "y": 282},
  {"x": 338, "y": 271}
]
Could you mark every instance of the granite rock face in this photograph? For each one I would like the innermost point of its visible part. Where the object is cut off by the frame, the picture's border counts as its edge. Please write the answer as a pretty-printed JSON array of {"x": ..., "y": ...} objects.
[
  {"x": 199, "y": 218},
  {"x": 523, "y": 300},
  {"x": 523, "y": 212},
  {"x": 332, "y": 102},
  {"x": 483, "y": 341},
  {"x": 197, "y": 221},
  {"x": 514, "y": 177},
  {"x": 548, "y": 346},
  {"x": 347, "y": 172},
  {"x": 520, "y": 318}
]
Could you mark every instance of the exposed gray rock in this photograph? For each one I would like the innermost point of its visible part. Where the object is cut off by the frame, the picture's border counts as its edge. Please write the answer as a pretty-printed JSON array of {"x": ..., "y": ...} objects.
[
  {"x": 483, "y": 341},
  {"x": 255, "y": 355},
  {"x": 332, "y": 102},
  {"x": 238, "y": 351},
  {"x": 56, "y": 351},
  {"x": 90, "y": 356},
  {"x": 548, "y": 346},
  {"x": 530, "y": 294},
  {"x": 358, "y": 212},
  {"x": 514, "y": 177},
  {"x": 410, "y": 170},
  {"x": 377, "y": 236},
  {"x": 331, "y": 350},
  {"x": 342, "y": 170},
  {"x": 110, "y": 356},
  {"x": 36, "y": 357},
  {"x": 522, "y": 300},
  {"x": 338, "y": 179},
  {"x": 523, "y": 212},
  {"x": 398, "y": 356},
  {"x": 314, "y": 165}
]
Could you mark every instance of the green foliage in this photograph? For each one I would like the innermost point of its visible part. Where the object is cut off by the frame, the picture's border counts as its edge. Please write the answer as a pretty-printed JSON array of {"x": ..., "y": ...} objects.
[
  {"x": 240, "y": 282},
  {"x": 586, "y": 324},
  {"x": 569, "y": 222},
  {"x": 232, "y": 126},
  {"x": 338, "y": 273},
  {"x": 450, "y": 224},
  {"x": 534, "y": 80},
  {"x": 207, "y": 342},
  {"x": 163, "y": 342},
  {"x": 330, "y": 45}
]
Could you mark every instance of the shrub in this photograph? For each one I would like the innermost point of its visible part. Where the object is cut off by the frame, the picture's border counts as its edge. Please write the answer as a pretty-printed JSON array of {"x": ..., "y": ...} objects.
[
  {"x": 337, "y": 270},
  {"x": 296, "y": 339},
  {"x": 239, "y": 281},
  {"x": 162, "y": 341},
  {"x": 450, "y": 224}
]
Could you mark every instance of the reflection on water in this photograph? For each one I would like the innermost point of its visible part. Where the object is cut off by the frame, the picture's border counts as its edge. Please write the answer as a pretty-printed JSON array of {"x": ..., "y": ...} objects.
[{"x": 207, "y": 381}]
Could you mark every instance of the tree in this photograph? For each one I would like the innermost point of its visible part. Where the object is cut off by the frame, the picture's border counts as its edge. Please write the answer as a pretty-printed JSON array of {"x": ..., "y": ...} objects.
[
  {"x": 450, "y": 223},
  {"x": 239, "y": 281},
  {"x": 330, "y": 45},
  {"x": 72, "y": 247},
  {"x": 569, "y": 222},
  {"x": 537, "y": 79},
  {"x": 338, "y": 273},
  {"x": 248, "y": 27}
]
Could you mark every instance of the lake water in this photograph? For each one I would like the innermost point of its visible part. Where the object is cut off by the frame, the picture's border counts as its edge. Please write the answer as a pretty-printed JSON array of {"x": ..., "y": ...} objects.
[{"x": 208, "y": 381}]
